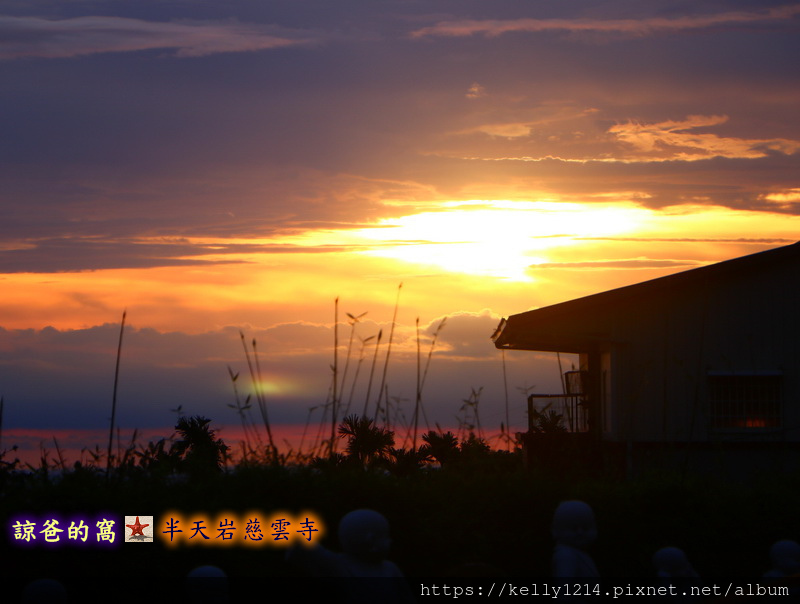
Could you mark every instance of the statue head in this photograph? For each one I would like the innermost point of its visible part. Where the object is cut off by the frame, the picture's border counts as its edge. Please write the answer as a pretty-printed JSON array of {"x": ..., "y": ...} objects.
[
  {"x": 573, "y": 524},
  {"x": 364, "y": 534},
  {"x": 207, "y": 584},
  {"x": 672, "y": 562},
  {"x": 785, "y": 557},
  {"x": 45, "y": 590}
]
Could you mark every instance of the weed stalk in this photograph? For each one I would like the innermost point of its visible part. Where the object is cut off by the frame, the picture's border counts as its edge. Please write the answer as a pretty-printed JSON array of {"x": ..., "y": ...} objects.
[
  {"x": 114, "y": 395},
  {"x": 335, "y": 373},
  {"x": 262, "y": 404},
  {"x": 372, "y": 374},
  {"x": 389, "y": 348}
]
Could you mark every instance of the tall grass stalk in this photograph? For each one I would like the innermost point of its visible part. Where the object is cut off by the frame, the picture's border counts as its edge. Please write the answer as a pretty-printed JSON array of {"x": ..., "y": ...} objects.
[
  {"x": 320, "y": 441},
  {"x": 119, "y": 446},
  {"x": 352, "y": 320},
  {"x": 428, "y": 366},
  {"x": 2, "y": 402},
  {"x": 60, "y": 457},
  {"x": 262, "y": 404},
  {"x": 418, "y": 407},
  {"x": 419, "y": 391},
  {"x": 384, "y": 409},
  {"x": 471, "y": 419},
  {"x": 114, "y": 395},
  {"x": 372, "y": 374},
  {"x": 364, "y": 342},
  {"x": 248, "y": 431},
  {"x": 387, "y": 408},
  {"x": 391, "y": 420},
  {"x": 477, "y": 399},
  {"x": 398, "y": 417},
  {"x": 505, "y": 390},
  {"x": 257, "y": 389},
  {"x": 430, "y": 351},
  {"x": 305, "y": 430},
  {"x": 237, "y": 406},
  {"x": 335, "y": 373},
  {"x": 389, "y": 348},
  {"x": 44, "y": 463},
  {"x": 126, "y": 455}
]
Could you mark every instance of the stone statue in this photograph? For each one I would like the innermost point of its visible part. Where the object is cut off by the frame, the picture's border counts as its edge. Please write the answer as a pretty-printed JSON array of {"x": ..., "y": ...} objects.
[
  {"x": 574, "y": 530},
  {"x": 367, "y": 575},
  {"x": 207, "y": 584},
  {"x": 672, "y": 562},
  {"x": 785, "y": 558}
]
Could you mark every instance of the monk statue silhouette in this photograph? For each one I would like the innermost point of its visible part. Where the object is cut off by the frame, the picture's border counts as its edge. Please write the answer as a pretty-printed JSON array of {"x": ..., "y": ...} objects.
[{"x": 574, "y": 530}]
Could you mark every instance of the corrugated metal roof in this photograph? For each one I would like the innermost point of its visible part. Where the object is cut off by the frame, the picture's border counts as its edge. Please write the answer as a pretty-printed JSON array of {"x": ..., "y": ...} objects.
[{"x": 516, "y": 331}]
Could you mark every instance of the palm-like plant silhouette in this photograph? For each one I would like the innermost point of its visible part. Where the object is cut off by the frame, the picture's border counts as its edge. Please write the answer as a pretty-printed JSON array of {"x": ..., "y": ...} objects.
[
  {"x": 442, "y": 446},
  {"x": 367, "y": 442},
  {"x": 548, "y": 421},
  {"x": 408, "y": 461},
  {"x": 201, "y": 453}
]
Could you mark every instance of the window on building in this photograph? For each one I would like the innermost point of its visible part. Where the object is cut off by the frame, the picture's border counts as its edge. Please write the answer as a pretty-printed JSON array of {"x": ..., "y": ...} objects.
[{"x": 745, "y": 401}]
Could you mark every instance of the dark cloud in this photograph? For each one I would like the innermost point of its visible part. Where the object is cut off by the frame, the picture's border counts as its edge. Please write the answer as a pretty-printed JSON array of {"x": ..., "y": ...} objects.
[
  {"x": 64, "y": 378},
  {"x": 62, "y": 38},
  {"x": 770, "y": 241},
  {"x": 457, "y": 338},
  {"x": 631, "y": 27},
  {"x": 643, "y": 263},
  {"x": 149, "y": 134},
  {"x": 134, "y": 141},
  {"x": 79, "y": 254}
]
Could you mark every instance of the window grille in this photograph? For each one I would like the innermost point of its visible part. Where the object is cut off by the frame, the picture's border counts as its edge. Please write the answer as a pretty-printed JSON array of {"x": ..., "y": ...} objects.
[{"x": 747, "y": 402}]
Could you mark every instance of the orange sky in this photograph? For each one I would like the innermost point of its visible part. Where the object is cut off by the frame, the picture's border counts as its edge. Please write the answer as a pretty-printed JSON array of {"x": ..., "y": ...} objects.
[
  {"x": 250, "y": 165},
  {"x": 465, "y": 256}
]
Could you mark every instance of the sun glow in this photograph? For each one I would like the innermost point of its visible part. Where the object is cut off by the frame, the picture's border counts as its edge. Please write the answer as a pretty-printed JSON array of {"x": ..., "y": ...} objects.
[
  {"x": 278, "y": 386},
  {"x": 500, "y": 239},
  {"x": 510, "y": 240}
]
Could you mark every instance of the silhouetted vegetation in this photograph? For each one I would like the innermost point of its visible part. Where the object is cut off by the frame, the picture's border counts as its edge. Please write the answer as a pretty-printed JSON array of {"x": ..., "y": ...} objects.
[
  {"x": 451, "y": 502},
  {"x": 200, "y": 453}
]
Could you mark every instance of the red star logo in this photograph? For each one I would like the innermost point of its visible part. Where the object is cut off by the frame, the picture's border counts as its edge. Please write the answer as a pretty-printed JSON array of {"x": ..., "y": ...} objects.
[{"x": 136, "y": 529}]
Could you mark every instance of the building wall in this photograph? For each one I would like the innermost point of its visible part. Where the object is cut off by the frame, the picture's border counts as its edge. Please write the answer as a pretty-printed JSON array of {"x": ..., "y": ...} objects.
[{"x": 662, "y": 350}]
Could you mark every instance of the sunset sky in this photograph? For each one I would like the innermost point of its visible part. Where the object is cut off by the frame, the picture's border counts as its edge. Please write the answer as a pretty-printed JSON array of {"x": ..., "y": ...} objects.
[{"x": 221, "y": 166}]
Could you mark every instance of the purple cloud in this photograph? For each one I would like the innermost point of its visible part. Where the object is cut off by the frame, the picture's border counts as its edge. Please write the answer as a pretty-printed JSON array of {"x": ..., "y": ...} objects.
[{"x": 48, "y": 38}]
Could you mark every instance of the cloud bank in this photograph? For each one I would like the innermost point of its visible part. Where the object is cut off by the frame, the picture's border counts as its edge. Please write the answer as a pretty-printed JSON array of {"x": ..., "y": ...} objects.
[
  {"x": 631, "y": 27},
  {"x": 46, "y": 38}
]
